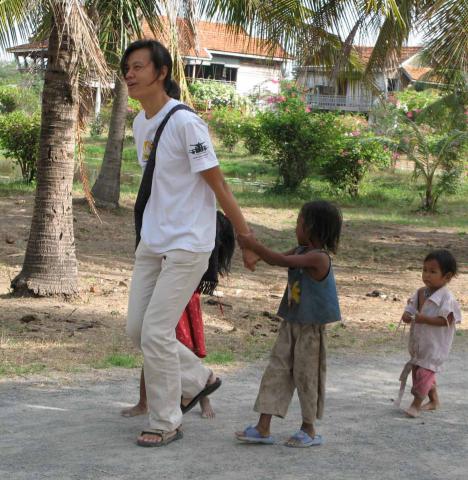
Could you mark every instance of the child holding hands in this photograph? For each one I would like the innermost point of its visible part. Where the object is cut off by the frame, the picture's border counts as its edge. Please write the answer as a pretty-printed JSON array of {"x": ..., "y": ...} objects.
[
  {"x": 298, "y": 358},
  {"x": 432, "y": 312}
]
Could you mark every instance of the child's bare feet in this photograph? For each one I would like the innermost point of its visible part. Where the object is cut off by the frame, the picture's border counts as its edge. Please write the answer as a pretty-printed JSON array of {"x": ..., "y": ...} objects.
[
  {"x": 430, "y": 406},
  {"x": 413, "y": 412},
  {"x": 206, "y": 408},
  {"x": 138, "y": 409}
]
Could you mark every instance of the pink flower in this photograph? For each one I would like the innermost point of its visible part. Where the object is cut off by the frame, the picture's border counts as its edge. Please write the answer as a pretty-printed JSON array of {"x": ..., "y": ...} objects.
[
  {"x": 395, "y": 155},
  {"x": 281, "y": 98},
  {"x": 409, "y": 114},
  {"x": 270, "y": 100},
  {"x": 356, "y": 133},
  {"x": 308, "y": 109},
  {"x": 274, "y": 80}
]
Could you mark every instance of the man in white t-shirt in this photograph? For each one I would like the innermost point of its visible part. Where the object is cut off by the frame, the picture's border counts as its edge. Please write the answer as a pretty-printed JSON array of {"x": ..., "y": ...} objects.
[{"x": 177, "y": 237}]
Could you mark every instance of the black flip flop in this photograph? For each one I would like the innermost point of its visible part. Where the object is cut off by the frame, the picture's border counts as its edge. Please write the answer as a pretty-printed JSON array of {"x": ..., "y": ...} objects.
[{"x": 209, "y": 389}]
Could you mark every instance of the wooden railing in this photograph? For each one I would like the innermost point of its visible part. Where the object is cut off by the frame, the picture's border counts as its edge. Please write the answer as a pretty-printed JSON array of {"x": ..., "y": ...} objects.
[
  {"x": 191, "y": 79},
  {"x": 339, "y": 102}
]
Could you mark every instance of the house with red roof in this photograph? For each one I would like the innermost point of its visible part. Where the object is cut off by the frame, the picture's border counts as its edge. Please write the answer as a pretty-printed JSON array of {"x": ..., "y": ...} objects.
[
  {"x": 217, "y": 52},
  {"x": 356, "y": 95},
  {"x": 224, "y": 54}
]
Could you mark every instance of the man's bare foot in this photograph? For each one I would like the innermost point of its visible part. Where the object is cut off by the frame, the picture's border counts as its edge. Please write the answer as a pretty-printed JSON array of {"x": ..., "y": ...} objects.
[
  {"x": 206, "y": 408},
  {"x": 134, "y": 411},
  {"x": 413, "y": 412},
  {"x": 430, "y": 406}
]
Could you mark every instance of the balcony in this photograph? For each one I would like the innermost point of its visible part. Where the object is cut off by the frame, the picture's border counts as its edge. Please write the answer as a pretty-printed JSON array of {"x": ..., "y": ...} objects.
[{"x": 339, "y": 102}]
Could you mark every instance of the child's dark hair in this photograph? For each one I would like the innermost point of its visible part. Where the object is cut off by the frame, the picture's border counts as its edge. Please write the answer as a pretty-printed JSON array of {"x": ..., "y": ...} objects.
[
  {"x": 322, "y": 221},
  {"x": 445, "y": 259},
  {"x": 160, "y": 57}
]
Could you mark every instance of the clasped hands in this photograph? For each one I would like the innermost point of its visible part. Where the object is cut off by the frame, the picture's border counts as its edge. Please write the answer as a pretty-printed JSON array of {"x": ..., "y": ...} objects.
[{"x": 249, "y": 257}]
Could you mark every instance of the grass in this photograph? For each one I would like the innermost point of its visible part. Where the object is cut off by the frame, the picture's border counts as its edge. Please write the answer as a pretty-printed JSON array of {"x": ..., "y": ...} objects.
[
  {"x": 220, "y": 358},
  {"x": 8, "y": 369},
  {"x": 121, "y": 360}
]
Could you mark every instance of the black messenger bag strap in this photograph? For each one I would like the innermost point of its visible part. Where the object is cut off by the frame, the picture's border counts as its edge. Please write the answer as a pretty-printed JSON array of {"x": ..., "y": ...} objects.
[{"x": 144, "y": 191}]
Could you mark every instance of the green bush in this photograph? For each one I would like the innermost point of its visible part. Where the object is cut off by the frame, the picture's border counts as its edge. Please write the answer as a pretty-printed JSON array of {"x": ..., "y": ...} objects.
[
  {"x": 9, "y": 99},
  {"x": 96, "y": 127},
  {"x": 214, "y": 94},
  {"x": 19, "y": 138},
  {"x": 18, "y": 98},
  {"x": 352, "y": 160},
  {"x": 251, "y": 132},
  {"x": 295, "y": 140},
  {"x": 227, "y": 123}
]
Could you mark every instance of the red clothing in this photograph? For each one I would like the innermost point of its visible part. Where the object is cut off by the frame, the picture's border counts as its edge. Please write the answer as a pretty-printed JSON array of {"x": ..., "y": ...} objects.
[
  {"x": 423, "y": 381},
  {"x": 189, "y": 330}
]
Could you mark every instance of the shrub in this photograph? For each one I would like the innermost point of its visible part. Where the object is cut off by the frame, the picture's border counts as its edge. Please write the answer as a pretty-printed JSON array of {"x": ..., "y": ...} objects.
[
  {"x": 251, "y": 132},
  {"x": 215, "y": 94},
  {"x": 19, "y": 98},
  {"x": 353, "y": 159},
  {"x": 9, "y": 99},
  {"x": 295, "y": 140},
  {"x": 96, "y": 127},
  {"x": 226, "y": 123},
  {"x": 19, "y": 138}
]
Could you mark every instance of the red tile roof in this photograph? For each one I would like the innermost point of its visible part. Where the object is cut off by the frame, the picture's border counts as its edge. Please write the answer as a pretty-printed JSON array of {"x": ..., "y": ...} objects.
[
  {"x": 406, "y": 52},
  {"x": 219, "y": 37},
  {"x": 416, "y": 73}
]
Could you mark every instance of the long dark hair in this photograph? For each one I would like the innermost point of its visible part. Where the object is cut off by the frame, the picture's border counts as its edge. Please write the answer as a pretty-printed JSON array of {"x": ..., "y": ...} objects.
[
  {"x": 323, "y": 221},
  {"x": 160, "y": 57}
]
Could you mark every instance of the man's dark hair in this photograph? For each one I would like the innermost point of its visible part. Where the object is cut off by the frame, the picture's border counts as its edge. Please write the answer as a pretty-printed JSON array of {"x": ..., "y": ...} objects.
[{"x": 160, "y": 57}]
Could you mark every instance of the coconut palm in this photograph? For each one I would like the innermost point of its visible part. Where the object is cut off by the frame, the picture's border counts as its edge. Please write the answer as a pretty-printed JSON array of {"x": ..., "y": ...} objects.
[
  {"x": 50, "y": 265},
  {"x": 50, "y": 262}
]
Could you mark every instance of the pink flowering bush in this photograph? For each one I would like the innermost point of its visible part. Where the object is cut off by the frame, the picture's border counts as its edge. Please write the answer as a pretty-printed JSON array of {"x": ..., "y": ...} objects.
[{"x": 293, "y": 139}]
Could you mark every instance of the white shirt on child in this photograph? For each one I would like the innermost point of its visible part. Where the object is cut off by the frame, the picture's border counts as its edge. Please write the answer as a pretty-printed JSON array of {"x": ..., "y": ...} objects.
[
  {"x": 181, "y": 210},
  {"x": 429, "y": 345}
]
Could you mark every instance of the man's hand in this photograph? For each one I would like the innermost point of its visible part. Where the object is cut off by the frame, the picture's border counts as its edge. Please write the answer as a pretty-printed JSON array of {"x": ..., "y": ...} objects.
[
  {"x": 407, "y": 317},
  {"x": 246, "y": 240},
  {"x": 250, "y": 259}
]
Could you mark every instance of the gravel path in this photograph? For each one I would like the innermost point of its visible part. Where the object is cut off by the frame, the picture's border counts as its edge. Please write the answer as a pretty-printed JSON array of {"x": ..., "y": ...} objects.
[{"x": 48, "y": 430}]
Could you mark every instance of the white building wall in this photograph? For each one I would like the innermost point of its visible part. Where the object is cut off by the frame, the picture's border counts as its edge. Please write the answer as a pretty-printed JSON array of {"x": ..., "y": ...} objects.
[{"x": 254, "y": 77}]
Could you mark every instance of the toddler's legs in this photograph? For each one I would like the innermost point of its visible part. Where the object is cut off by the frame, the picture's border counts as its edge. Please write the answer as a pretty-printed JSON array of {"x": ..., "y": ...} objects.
[
  {"x": 434, "y": 402},
  {"x": 423, "y": 383}
]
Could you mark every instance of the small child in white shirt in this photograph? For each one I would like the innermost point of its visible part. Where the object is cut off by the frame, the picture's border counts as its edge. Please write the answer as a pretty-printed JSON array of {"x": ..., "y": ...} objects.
[{"x": 432, "y": 312}]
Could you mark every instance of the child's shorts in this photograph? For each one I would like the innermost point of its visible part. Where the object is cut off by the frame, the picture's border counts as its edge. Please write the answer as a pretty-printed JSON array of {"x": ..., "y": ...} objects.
[{"x": 423, "y": 381}]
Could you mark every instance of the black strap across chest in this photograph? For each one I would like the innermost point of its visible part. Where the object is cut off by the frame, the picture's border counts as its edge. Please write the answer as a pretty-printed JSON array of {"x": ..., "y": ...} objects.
[{"x": 144, "y": 191}]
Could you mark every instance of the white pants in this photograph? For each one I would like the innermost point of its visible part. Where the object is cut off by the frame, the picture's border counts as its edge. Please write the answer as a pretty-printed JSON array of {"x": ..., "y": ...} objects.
[{"x": 162, "y": 285}]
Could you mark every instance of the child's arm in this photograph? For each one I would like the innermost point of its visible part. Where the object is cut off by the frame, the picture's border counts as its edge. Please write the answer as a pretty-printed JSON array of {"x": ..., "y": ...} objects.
[
  {"x": 434, "y": 321},
  {"x": 313, "y": 260}
]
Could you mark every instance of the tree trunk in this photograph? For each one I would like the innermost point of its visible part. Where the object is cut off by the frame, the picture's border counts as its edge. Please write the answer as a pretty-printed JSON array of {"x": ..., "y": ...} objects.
[
  {"x": 106, "y": 190},
  {"x": 50, "y": 265}
]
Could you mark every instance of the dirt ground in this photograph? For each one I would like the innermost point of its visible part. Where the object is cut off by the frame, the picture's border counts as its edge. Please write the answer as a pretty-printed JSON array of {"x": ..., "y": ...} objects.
[
  {"x": 52, "y": 335},
  {"x": 57, "y": 431}
]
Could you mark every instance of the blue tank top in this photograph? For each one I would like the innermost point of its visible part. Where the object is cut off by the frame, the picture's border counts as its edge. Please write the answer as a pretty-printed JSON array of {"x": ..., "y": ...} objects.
[{"x": 309, "y": 301}]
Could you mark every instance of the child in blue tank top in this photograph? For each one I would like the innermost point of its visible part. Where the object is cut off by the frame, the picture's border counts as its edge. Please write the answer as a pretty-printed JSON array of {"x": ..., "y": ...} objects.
[{"x": 298, "y": 358}]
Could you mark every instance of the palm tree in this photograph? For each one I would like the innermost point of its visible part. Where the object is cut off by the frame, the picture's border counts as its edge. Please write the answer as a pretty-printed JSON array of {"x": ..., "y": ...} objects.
[
  {"x": 115, "y": 32},
  {"x": 50, "y": 263}
]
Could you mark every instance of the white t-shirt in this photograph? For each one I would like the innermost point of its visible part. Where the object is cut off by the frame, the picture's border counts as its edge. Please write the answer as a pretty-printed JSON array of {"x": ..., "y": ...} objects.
[{"x": 181, "y": 210}]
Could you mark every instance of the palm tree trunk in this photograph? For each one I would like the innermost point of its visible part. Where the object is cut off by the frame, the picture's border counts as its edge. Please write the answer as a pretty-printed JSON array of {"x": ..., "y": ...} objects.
[
  {"x": 50, "y": 265},
  {"x": 106, "y": 190}
]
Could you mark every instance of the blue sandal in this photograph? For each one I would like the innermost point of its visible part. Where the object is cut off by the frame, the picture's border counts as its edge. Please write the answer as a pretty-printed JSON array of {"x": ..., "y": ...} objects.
[
  {"x": 302, "y": 439},
  {"x": 252, "y": 435}
]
